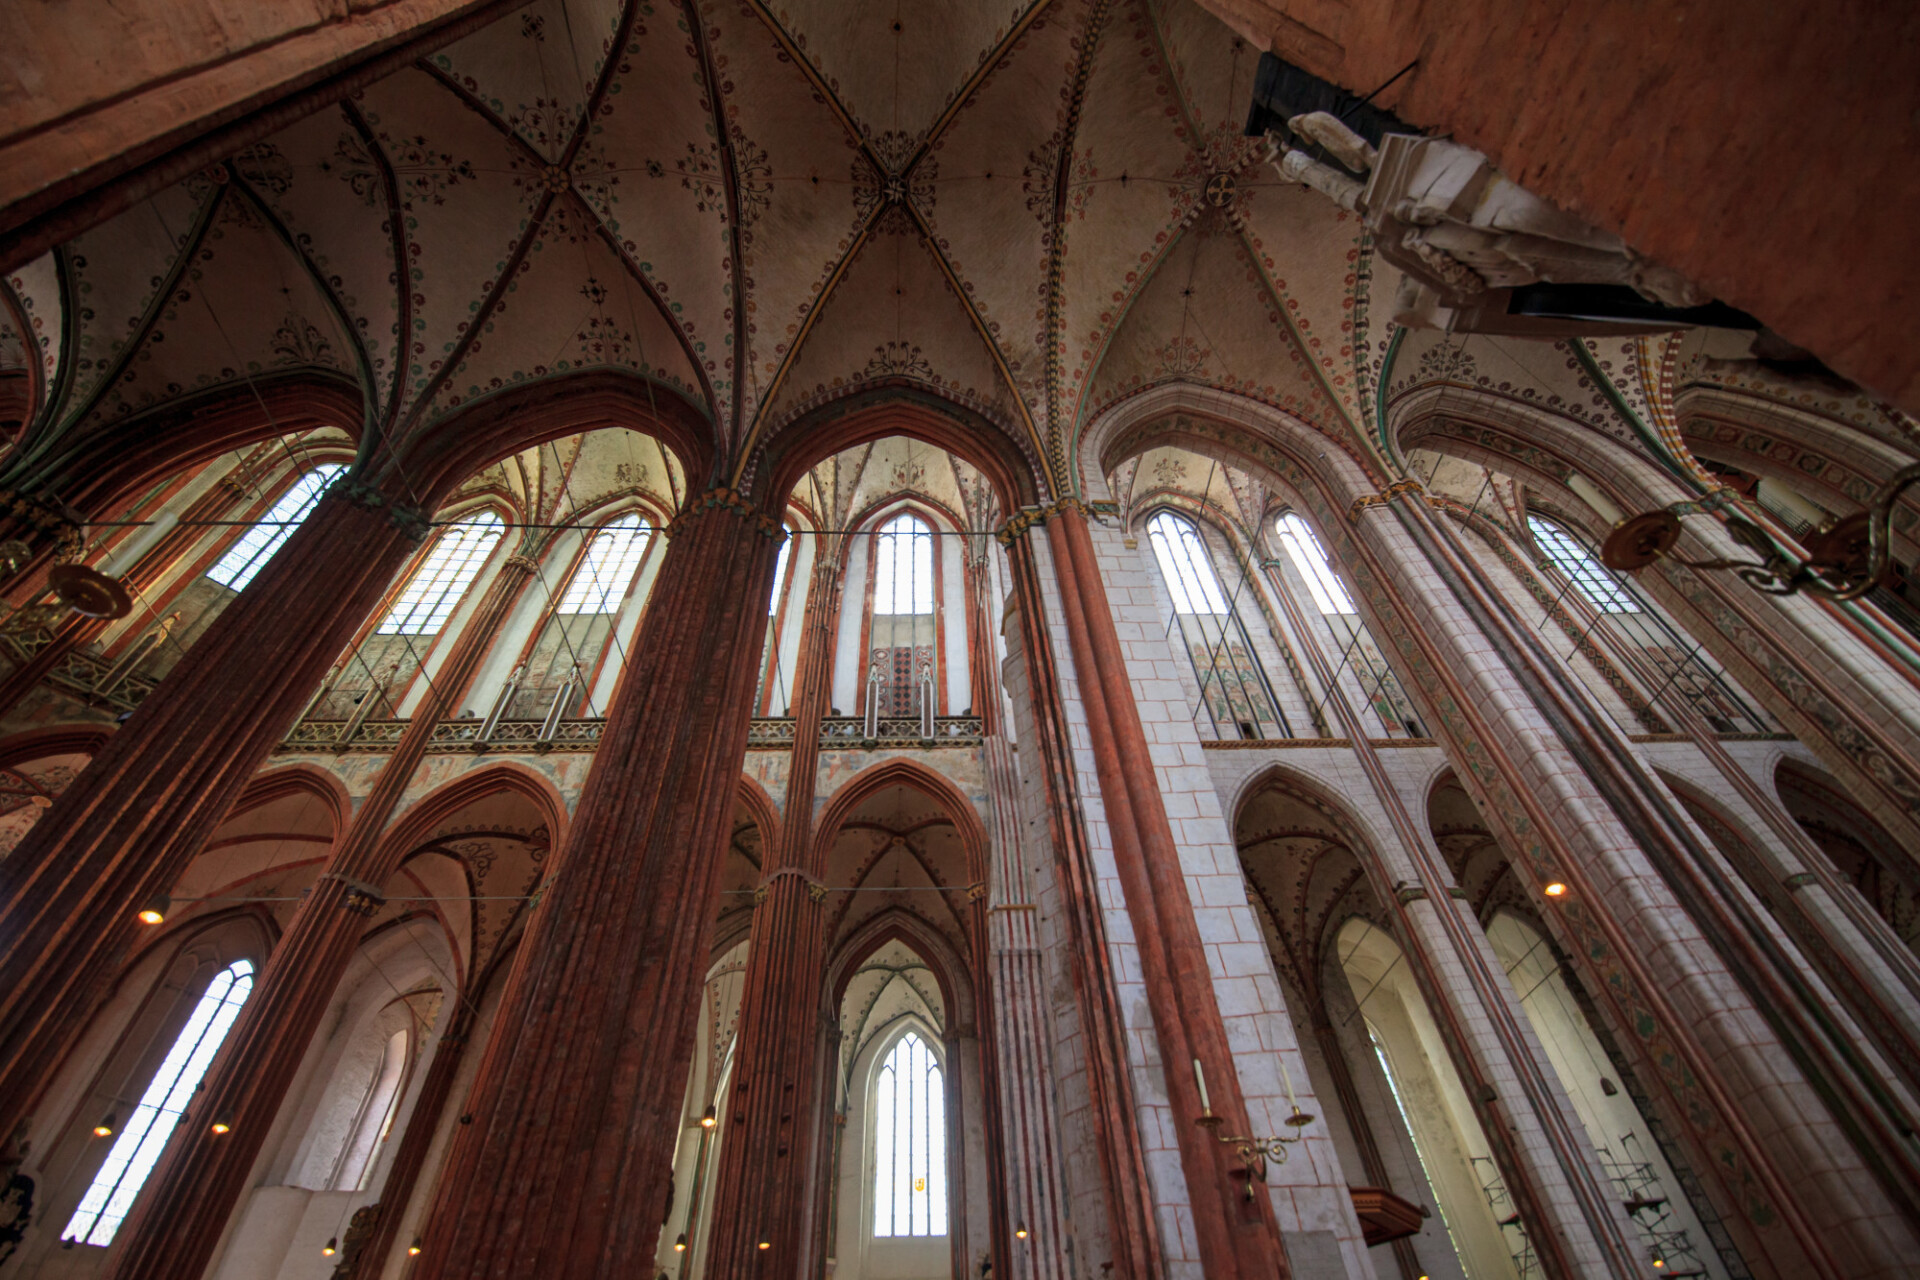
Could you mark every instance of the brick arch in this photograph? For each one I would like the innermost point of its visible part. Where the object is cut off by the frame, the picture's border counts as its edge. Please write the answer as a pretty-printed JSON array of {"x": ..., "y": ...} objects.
[
  {"x": 418, "y": 823},
  {"x": 1017, "y": 477},
  {"x": 925, "y": 941},
  {"x": 910, "y": 773}
]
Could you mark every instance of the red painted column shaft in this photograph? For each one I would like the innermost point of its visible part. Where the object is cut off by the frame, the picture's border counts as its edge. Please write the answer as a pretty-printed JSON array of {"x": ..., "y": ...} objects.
[
  {"x": 1237, "y": 1237},
  {"x": 564, "y": 1172},
  {"x": 766, "y": 1178},
  {"x": 178, "y": 1220},
  {"x": 126, "y": 829}
]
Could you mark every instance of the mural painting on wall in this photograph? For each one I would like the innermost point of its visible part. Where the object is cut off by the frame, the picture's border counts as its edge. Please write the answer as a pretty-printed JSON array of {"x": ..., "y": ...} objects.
[
  {"x": 899, "y": 673},
  {"x": 1234, "y": 688}
]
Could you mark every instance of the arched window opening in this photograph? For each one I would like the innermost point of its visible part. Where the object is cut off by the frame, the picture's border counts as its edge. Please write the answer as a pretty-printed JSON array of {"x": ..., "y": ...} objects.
[
  {"x": 1587, "y": 574},
  {"x": 429, "y": 598},
  {"x": 138, "y": 1146},
  {"x": 772, "y": 674},
  {"x": 910, "y": 1143},
  {"x": 1310, "y": 558},
  {"x": 375, "y": 1118},
  {"x": 257, "y": 545},
  {"x": 1675, "y": 663},
  {"x": 1379, "y": 688},
  {"x": 612, "y": 558},
  {"x": 1233, "y": 685},
  {"x": 903, "y": 653}
]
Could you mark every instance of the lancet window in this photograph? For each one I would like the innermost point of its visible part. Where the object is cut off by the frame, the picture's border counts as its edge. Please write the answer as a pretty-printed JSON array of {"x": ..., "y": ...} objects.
[
  {"x": 903, "y": 650},
  {"x": 1674, "y": 662},
  {"x": 1233, "y": 685},
  {"x": 1355, "y": 654},
  {"x": 613, "y": 556},
  {"x": 257, "y": 545},
  {"x": 433, "y": 592},
  {"x": 137, "y": 1146},
  {"x": 910, "y": 1142}
]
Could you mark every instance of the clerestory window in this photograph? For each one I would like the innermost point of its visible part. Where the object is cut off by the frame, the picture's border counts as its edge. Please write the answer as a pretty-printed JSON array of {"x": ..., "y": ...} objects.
[
  {"x": 903, "y": 570},
  {"x": 612, "y": 557},
  {"x": 1578, "y": 564},
  {"x": 1185, "y": 565},
  {"x": 1310, "y": 558},
  {"x": 910, "y": 1143},
  {"x": 257, "y": 545},
  {"x": 137, "y": 1147},
  {"x": 450, "y": 568}
]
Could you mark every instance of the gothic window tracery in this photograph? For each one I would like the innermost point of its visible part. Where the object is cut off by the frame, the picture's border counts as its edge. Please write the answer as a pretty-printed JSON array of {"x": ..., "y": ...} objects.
[
  {"x": 257, "y": 545},
  {"x": 137, "y": 1146},
  {"x": 1233, "y": 685},
  {"x": 910, "y": 1142},
  {"x": 613, "y": 556},
  {"x": 902, "y": 658},
  {"x": 430, "y": 596}
]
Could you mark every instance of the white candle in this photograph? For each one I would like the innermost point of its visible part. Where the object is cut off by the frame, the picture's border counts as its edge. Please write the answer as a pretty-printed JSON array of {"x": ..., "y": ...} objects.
[
  {"x": 1287, "y": 1080},
  {"x": 1200, "y": 1077}
]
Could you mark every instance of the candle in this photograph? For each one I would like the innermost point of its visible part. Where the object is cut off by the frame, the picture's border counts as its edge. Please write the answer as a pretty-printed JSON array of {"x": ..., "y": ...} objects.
[
  {"x": 1200, "y": 1077},
  {"x": 1287, "y": 1080}
]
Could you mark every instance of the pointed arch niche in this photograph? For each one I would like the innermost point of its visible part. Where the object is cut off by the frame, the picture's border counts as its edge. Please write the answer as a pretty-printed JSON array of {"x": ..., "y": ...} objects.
[{"x": 907, "y": 1187}]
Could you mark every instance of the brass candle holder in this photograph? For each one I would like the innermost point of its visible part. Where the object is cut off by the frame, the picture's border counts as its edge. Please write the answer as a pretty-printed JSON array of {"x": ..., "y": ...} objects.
[{"x": 1255, "y": 1153}]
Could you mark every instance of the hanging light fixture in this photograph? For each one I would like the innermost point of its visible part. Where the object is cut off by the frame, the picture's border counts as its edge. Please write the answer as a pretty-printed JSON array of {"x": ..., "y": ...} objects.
[
  {"x": 707, "y": 1119},
  {"x": 764, "y": 1244},
  {"x": 156, "y": 909},
  {"x": 1020, "y": 1231},
  {"x": 413, "y": 1250},
  {"x": 331, "y": 1247},
  {"x": 106, "y": 1126},
  {"x": 680, "y": 1243},
  {"x": 1846, "y": 558},
  {"x": 1555, "y": 889},
  {"x": 222, "y": 1123}
]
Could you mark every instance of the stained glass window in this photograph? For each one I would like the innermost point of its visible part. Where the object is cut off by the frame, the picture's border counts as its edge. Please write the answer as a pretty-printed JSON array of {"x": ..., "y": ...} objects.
[
  {"x": 910, "y": 1143},
  {"x": 257, "y": 545},
  {"x": 450, "y": 568},
  {"x": 612, "y": 557},
  {"x": 137, "y": 1147}
]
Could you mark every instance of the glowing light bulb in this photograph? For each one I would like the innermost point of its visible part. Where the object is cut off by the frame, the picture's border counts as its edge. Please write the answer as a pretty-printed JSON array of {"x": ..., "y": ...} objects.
[
  {"x": 707, "y": 1120},
  {"x": 331, "y": 1247},
  {"x": 155, "y": 911},
  {"x": 1020, "y": 1232},
  {"x": 222, "y": 1125},
  {"x": 106, "y": 1127},
  {"x": 766, "y": 1244},
  {"x": 680, "y": 1244},
  {"x": 1555, "y": 889}
]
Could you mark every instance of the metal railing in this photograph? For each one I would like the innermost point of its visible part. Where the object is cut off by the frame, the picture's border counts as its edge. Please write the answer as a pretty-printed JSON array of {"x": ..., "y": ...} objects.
[{"x": 841, "y": 733}]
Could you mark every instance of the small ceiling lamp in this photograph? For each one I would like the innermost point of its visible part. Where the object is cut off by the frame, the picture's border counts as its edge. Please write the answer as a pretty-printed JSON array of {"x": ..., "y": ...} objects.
[
  {"x": 413, "y": 1250},
  {"x": 222, "y": 1123},
  {"x": 1555, "y": 889},
  {"x": 331, "y": 1247},
  {"x": 680, "y": 1243},
  {"x": 1020, "y": 1231},
  {"x": 106, "y": 1126},
  {"x": 707, "y": 1119},
  {"x": 156, "y": 909},
  {"x": 766, "y": 1244}
]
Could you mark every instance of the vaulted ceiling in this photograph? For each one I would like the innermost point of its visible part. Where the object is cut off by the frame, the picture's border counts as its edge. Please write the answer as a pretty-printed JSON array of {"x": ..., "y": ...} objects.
[{"x": 1025, "y": 210}]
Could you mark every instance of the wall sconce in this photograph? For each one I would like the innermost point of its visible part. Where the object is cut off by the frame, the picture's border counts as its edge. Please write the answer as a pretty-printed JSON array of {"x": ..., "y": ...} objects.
[
  {"x": 1845, "y": 560},
  {"x": 1255, "y": 1153}
]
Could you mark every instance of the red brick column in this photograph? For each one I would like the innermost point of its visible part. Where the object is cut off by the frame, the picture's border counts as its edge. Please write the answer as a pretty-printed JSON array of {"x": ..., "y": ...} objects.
[
  {"x": 564, "y": 1171},
  {"x": 177, "y": 1222},
  {"x": 766, "y": 1179},
  {"x": 129, "y": 825},
  {"x": 1237, "y": 1238}
]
